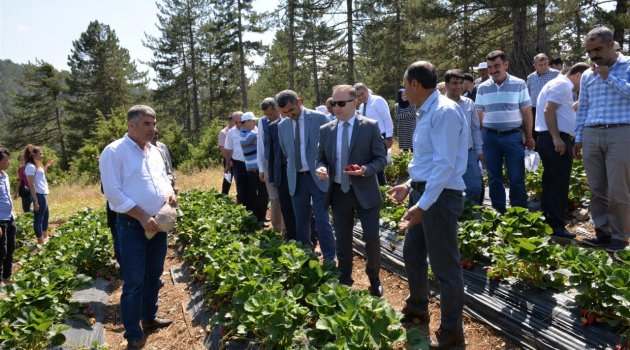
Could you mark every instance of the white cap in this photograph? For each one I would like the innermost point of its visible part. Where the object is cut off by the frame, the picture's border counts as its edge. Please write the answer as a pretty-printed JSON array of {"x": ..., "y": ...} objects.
[
  {"x": 247, "y": 116},
  {"x": 482, "y": 65}
]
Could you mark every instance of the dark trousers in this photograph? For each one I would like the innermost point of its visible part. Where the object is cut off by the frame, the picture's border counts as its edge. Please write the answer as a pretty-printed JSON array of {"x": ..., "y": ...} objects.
[
  {"x": 143, "y": 264},
  {"x": 7, "y": 247},
  {"x": 256, "y": 197},
  {"x": 556, "y": 178},
  {"x": 112, "y": 218},
  {"x": 286, "y": 206},
  {"x": 26, "y": 203},
  {"x": 535, "y": 133},
  {"x": 382, "y": 181},
  {"x": 239, "y": 173},
  {"x": 225, "y": 187},
  {"x": 344, "y": 206},
  {"x": 436, "y": 238}
]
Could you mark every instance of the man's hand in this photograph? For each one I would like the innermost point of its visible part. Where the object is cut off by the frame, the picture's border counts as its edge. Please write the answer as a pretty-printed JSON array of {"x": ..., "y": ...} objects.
[
  {"x": 171, "y": 199},
  {"x": 530, "y": 143},
  {"x": 601, "y": 70},
  {"x": 359, "y": 172},
  {"x": 559, "y": 145},
  {"x": 1, "y": 232},
  {"x": 322, "y": 173},
  {"x": 577, "y": 150},
  {"x": 150, "y": 225},
  {"x": 398, "y": 193},
  {"x": 228, "y": 166},
  {"x": 481, "y": 158},
  {"x": 36, "y": 207},
  {"x": 412, "y": 217},
  {"x": 261, "y": 176},
  {"x": 389, "y": 142}
]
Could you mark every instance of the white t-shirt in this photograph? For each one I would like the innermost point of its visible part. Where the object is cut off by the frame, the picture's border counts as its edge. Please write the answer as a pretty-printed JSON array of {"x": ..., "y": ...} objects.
[
  {"x": 233, "y": 143},
  {"x": 559, "y": 90},
  {"x": 41, "y": 185}
]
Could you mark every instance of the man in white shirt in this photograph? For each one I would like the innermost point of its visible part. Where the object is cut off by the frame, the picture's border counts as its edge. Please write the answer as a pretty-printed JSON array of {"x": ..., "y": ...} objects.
[
  {"x": 234, "y": 155},
  {"x": 375, "y": 107},
  {"x": 555, "y": 124},
  {"x": 136, "y": 186},
  {"x": 263, "y": 148},
  {"x": 225, "y": 187}
]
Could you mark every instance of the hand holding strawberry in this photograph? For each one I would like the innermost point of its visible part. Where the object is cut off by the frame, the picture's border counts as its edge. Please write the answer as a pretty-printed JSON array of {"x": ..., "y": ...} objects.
[{"x": 354, "y": 170}]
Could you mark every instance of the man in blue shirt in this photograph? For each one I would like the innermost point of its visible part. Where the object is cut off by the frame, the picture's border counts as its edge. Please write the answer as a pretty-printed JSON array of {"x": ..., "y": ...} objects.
[
  {"x": 601, "y": 132},
  {"x": 440, "y": 154}
]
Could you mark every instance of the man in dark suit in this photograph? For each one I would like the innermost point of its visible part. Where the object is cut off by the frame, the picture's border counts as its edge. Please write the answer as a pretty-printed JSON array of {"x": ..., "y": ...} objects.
[
  {"x": 299, "y": 136},
  {"x": 353, "y": 140},
  {"x": 277, "y": 173}
]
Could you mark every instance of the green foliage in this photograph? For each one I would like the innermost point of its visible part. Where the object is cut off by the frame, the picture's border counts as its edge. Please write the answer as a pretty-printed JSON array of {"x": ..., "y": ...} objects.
[
  {"x": 39, "y": 297},
  {"x": 398, "y": 170},
  {"x": 579, "y": 193},
  {"x": 205, "y": 151}
]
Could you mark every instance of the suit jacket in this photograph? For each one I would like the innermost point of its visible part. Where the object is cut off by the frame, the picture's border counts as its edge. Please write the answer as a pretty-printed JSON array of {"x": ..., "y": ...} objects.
[
  {"x": 312, "y": 121},
  {"x": 366, "y": 148},
  {"x": 276, "y": 158}
]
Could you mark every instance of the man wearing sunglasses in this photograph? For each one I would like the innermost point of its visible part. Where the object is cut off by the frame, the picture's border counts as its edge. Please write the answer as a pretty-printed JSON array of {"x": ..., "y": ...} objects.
[
  {"x": 299, "y": 137},
  {"x": 353, "y": 140}
]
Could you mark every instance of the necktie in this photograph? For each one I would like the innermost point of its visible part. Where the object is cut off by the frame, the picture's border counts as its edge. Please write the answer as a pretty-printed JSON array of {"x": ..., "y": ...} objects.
[
  {"x": 364, "y": 106},
  {"x": 296, "y": 146},
  {"x": 345, "y": 179}
]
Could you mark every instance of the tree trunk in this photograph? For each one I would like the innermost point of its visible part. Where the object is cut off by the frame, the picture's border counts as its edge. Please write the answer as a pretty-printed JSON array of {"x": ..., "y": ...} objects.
[
  {"x": 541, "y": 25},
  {"x": 318, "y": 97},
  {"x": 520, "y": 60},
  {"x": 241, "y": 52},
  {"x": 196, "y": 122},
  {"x": 467, "y": 54},
  {"x": 62, "y": 143},
  {"x": 350, "y": 75},
  {"x": 291, "y": 49},
  {"x": 620, "y": 10}
]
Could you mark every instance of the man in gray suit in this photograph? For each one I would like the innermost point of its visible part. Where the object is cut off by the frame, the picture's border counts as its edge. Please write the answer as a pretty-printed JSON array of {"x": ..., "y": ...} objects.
[
  {"x": 353, "y": 140},
  {"x": 299, "y": 136}
]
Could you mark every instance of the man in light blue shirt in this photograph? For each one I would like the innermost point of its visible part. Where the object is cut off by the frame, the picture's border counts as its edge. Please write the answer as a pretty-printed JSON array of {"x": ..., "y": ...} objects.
[
  {"x": 440, "y": 153},
  {"x": 601, "y": 131}
]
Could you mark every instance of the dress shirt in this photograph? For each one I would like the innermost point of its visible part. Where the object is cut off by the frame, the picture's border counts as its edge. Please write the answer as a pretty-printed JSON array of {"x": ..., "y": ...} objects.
[
  {"x": 502, "y": 103},
  {"x": 440, "y": 148},
  {"x": 133, "y": 177},
  {"x": 261, "y": 161},
  {"x": 41, "y": 184},
  {"x": 302, "y": 141},
  {"x": 535, "y": 83},
  {"x": 233, "y": 143},
  {"x": 474, "y": 136},
  {"x": 222, "y": 136},
  {"x": 338, "y": 166},
  {"x": 560, "y": 91},
  {"x": 604, "y": 101},
  {"x": 377, "y": 109},
  {"x": 6, "y": 204}
]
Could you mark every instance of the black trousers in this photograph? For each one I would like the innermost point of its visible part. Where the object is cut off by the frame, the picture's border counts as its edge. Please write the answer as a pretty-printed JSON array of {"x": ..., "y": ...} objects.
[
  {"x": 7, "y": 247},
  {"x": 239, "y": 173},
  {"x": 556, "y": 178},
  {"x": 256, "y": 197},
  {"x": 534, "y": 132},
  {"x": 286, "y": 206},
  {"x": 225, "y": 187}
]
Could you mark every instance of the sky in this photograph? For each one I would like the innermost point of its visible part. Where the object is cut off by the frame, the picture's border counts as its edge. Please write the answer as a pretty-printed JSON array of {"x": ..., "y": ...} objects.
[{"x": 45, "y": 29}]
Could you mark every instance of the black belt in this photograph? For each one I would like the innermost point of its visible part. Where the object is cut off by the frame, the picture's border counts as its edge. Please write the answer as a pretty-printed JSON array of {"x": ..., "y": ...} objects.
[
  {"x": 420, "y": 185},
  {"x": 571, "y": 138},
  {"x": 307, "y": 172},
  {"x": 606, "y": 126},
  {"x": 504, "y": 132},
  {"x": 125, "y": 216}
]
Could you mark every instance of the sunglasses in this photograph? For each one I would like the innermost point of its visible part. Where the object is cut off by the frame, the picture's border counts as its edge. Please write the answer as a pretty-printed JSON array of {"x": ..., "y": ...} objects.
[{"x": 340, "y": 103}]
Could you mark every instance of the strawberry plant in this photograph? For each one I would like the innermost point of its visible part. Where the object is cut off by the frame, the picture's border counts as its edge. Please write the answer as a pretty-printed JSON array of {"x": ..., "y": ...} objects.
[
  {"x": 398, "y": 169},
  {"x": 579, "y": 194}
]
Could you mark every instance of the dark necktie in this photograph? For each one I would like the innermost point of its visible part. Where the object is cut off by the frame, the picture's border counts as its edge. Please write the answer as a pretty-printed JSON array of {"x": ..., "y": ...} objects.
[
  {"x": 364, "y": 107},
  {"x": 296, "y": 146},
  {"x": 345, "y": 149}
]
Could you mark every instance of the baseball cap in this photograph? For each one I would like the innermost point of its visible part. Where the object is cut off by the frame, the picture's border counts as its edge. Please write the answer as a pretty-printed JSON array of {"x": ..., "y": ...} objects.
[
  {"x": 247, "y": 116},
  {"x": 482, "y": 65}
]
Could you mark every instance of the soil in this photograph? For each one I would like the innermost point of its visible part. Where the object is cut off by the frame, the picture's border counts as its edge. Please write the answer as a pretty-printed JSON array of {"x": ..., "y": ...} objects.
[{"x": 181, "y": 335}]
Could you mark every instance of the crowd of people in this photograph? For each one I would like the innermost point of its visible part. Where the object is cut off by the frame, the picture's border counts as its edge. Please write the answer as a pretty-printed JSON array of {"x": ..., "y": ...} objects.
[{"x": 300, "y": 163}]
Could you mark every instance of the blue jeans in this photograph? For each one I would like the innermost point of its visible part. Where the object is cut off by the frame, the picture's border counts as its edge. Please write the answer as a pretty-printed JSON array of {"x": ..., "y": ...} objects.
[
  {"x": 508, "y": 147},
  {"x": 40, "y": 220},
  {"x": 142, "y": 267},
  {"x": 472, "y": 178},
  {"x": 306, "y": 191},
  {"x": 436, "y": 238},
  {"x": 26, "y": 203}
]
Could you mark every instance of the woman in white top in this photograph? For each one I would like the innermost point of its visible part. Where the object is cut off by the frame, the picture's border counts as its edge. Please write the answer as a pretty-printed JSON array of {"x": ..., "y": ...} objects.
[{"x": 36, "y": 175}]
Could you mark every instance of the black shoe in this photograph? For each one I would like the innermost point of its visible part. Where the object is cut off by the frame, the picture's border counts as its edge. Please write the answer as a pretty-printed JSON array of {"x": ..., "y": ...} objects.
[
  {"x": 562, "y": 232},
  {"x": 135, "y": 344},
  {"x": 596, "y": 241},
  {"x": 156, "y": 323},
  {"x": 445, "y": 339},
  {"x": 376, "y": 289},
  {"x": 616, "y": 245},
  {"x": 410, "y": 316}
]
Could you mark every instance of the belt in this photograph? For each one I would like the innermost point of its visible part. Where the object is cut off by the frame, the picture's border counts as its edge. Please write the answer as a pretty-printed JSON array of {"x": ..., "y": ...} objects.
[
  {"x": 606, "y": 126},
  {"x": 571, "y": 138},
  {"x": 420, "y": 185},
  {"x": 504, "y": 132},
  {"x": 307, "y": 172}
]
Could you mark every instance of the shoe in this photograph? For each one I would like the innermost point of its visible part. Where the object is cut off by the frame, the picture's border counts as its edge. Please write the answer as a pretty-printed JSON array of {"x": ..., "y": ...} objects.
[
  {"x": 596, "y": 241},
  {"x": 410, "y": 316},
  {"x": 135, "y": 344},
  {"x": 445, "y": 339},
  {"x": 562, "y": 232},
  {"x": 376, "y": 290},
  {"x": 615, "y": 245},
  {"x": 156, "y": 323}
]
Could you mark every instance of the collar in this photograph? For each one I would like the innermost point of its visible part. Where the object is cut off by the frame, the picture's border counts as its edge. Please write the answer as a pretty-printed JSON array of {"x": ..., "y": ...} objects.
[
  {"x": 351, "y": 121},
  {"x": 424, "y": 108},
  {"x": 507, "y": 78},
  {"x": 132, "y": 142}
]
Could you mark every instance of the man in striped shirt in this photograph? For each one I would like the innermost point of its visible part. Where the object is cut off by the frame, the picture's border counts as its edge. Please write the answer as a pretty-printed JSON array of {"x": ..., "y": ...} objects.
[
  {"x": 505, "y": 109},
  {"x": 601, "y": 132}
]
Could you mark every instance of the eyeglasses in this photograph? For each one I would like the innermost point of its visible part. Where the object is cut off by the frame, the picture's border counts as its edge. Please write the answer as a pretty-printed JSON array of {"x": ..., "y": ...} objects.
[{"x": 340, "y": 103}]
